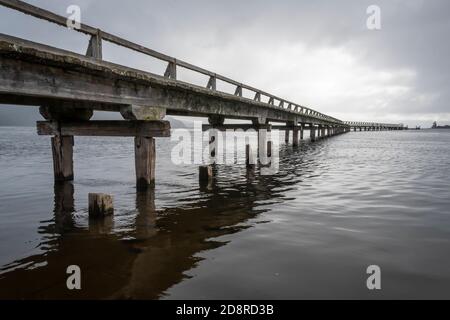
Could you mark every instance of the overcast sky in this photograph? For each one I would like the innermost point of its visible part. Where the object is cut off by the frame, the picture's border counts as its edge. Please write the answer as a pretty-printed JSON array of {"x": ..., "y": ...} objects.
[{"x": 317, "y": 53}]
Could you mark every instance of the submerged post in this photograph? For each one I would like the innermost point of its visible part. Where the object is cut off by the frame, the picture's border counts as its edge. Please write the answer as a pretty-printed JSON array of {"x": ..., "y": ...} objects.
[
  {"x": 205, "y": 174},
  {"x": 295, "y": 137},
  {"x": 100, "y": 205},
  {"x": 312, "y": 132}
]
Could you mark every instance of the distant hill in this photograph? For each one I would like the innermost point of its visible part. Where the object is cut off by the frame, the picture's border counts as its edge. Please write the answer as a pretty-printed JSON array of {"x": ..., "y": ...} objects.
[
  {"x": 18, "y": 116},
  {"x": 175, "y": 123},
  {"x": 15, "y": 116}
]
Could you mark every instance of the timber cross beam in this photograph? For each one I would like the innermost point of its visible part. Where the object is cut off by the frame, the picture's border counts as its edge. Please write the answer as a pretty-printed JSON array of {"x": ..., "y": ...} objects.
[{"x": 111, "y": 128}]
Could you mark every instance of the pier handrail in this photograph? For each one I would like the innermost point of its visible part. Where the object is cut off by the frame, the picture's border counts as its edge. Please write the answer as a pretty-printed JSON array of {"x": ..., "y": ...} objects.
[
  {"x": 373, "y": 124},
  {"x": 173, "y": 63}
]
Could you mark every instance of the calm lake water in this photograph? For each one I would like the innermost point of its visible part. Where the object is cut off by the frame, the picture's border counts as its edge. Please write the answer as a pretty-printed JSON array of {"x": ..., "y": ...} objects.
[{"x": 335, "y": 207}]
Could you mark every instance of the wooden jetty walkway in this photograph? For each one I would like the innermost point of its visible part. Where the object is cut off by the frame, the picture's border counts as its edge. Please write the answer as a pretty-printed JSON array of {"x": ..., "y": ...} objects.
[{"x": 68, "y": 87}]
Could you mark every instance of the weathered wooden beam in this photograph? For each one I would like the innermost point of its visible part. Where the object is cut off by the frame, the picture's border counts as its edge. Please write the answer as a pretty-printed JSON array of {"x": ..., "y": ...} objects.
[
  {"x": 53, "y": 113},
  {"x": 282, "y": 128},
  {"x": 113, "y": 128},
  {"x": 23, "y": 100}
]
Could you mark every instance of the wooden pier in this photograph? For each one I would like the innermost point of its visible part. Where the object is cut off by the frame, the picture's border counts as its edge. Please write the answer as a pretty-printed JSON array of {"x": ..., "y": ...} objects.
[{"x": 68, "y": 87}]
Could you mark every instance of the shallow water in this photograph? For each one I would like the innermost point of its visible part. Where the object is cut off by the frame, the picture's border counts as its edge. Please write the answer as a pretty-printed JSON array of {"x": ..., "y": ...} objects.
[{"x": 335, "y": 207}]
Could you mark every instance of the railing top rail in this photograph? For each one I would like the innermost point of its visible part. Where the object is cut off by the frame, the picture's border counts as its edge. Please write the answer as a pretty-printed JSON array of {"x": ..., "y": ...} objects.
[
  {"x": 361, "y": 123},
  {"x": 89, "y": 30}
]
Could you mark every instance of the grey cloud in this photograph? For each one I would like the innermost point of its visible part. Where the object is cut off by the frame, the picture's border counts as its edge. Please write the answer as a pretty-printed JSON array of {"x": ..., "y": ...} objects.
[{"x": 413, "y": 37}]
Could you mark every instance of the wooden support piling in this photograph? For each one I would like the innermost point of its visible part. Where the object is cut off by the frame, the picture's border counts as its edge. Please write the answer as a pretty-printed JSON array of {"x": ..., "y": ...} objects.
[
  {"x": 205, "y": 174},
  {"x": 250, "y": 160},
  {"x": 145, "y": 159},
  {"x": 112, "y": 128},
  {"x": 312, "y": 133},
  {"x": 62, "y": 149},
  {"x": 295, "y": 137},
  {"x": 262, "y": 145},
  {"x": 269, "y": 149}
]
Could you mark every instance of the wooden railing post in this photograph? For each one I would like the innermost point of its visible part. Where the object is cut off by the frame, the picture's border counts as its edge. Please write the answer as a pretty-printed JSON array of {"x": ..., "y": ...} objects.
[
  {"x": 238, "y": 91},
  {"x": 212, "y": 83},
  {"x": 94, "y": 49},
  {"x": 171, "y": 70}
]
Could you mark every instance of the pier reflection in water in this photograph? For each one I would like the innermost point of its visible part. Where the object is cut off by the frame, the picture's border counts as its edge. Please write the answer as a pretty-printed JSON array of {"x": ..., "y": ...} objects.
[
  {"x": 144, "y": 261},
  {"x": 335, "y": 207}
]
